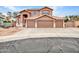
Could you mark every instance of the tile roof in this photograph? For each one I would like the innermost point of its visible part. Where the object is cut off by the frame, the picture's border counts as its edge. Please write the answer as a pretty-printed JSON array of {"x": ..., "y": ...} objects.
[
  {"x": 2, "y": 16},
  {"x": 37, "y": 16},
  {"x": 27, "y": 10},
  {"x": 46, "y": 7},
  {"x": 56, "y": 17}
]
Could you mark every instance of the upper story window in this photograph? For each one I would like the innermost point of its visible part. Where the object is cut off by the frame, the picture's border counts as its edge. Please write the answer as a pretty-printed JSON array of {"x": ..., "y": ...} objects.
[
  {"x": 34, "y": 13},
  {"x": 45, "y": 12}
]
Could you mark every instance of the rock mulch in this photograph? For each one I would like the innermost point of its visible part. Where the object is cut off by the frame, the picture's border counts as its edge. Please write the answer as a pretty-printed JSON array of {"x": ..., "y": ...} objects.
[{"x": 8, "y": 31}]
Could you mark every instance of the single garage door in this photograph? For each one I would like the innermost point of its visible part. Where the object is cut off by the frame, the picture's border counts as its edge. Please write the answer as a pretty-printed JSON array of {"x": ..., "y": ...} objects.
[
  {"x": 59, "y": 24},
  {"x": 30, "y": 24},
  {"x": 69, "y": 24},
  {"x": 44, "y": 24}
]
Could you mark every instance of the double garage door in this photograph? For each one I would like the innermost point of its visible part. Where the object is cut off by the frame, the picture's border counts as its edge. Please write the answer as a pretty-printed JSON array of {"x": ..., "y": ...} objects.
[
  {"x": 40, "y": 24},
  {"x": 44, "y": 24}
]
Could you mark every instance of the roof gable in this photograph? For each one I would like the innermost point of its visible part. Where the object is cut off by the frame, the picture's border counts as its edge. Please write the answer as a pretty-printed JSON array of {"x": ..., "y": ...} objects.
[
  {"x": 47, "y": 8},
  {"x": 45, "y": 16},
  {"x": 27, "y": 10},
  {"x": 52, "y": 17}
]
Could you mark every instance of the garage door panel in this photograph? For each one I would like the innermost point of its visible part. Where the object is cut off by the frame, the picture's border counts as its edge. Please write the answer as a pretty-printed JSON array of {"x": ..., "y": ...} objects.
[
  {"x": 45, "y": 24},
  {"x": 30, "y": 24},
  {"x": 59, "y": 24}
]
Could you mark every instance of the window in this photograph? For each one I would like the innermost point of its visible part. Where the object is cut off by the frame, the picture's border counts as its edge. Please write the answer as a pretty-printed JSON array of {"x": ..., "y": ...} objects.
[
  {"x": 45, "y": 12},
  {"x": 34, "y": 13}
]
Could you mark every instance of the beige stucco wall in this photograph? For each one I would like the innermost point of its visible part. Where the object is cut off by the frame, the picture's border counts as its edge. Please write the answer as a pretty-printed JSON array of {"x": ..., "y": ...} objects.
[
  {"x": 30, "y": 24},
  {"x": 72, "y": 24},
  {"x": 69, "y": 24},
  {"x": 76, "y": 23},
  {"x": 45, "y": 18}
]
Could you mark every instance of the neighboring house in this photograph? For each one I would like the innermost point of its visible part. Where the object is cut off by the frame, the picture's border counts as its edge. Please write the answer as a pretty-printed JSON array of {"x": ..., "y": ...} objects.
[
  {"x": 39, "y": 18},
  {"x": 11, "y": 21},
  {"x": 7, "y": 22},
  {"x": 2, "y": 17}
]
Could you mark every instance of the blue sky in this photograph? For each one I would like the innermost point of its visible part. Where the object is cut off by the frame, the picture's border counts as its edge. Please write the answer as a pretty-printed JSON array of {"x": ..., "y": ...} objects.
[{"x": 58, "y": 10}]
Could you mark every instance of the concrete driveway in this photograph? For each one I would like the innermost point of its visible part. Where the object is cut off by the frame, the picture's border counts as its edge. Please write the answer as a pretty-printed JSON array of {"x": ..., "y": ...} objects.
[{"x": 42, "y": 32}]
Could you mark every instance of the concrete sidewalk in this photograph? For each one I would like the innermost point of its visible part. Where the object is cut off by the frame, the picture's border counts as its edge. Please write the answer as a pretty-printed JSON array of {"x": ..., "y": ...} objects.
[{"x": 42, "y": 32}]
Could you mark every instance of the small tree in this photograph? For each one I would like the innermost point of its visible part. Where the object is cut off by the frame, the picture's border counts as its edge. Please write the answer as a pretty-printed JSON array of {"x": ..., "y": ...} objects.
[
  {"x": 0, "y": 13},
  {"x": 66, "y": 19}
]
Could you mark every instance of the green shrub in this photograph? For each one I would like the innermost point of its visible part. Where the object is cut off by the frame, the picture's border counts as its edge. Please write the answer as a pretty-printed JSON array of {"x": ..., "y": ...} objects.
[{"x": 7, "y": 23}]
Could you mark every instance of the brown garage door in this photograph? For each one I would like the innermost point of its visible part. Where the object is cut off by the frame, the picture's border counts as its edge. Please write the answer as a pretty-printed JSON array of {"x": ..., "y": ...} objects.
[
  {"x": 59, "y": 24},
  {"x": 44, "y": 24},
  {"x": 69, "y": 24},
  {"x": 30, "y": 24}
]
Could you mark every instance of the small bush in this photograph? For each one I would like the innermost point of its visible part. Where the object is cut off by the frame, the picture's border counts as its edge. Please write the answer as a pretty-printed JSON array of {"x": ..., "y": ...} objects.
[
  {"x": 4, "y": 21},
  {"x": 7, "y": 23}
]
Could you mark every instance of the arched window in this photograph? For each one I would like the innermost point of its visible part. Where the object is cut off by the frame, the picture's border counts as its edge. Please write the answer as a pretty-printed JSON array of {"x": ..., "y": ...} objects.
[{"x": 45, "y": 12}]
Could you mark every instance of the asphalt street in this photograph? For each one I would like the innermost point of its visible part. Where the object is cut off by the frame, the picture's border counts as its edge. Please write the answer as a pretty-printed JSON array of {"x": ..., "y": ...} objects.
[{"x": 41, "y": 45}]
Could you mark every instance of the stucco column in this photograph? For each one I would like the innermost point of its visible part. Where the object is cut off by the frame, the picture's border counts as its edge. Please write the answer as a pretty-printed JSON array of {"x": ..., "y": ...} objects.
[
  {"x": 21, "y": 23},
  {"x": 63, "y": 24},
  {"x": 26, "y": 23},
  {"x": 35, "y": 23},
  {"x": 54, "y": 23}
]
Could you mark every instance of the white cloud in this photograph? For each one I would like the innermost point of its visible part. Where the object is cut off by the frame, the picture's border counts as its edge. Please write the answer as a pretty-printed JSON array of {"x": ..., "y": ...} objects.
[
  {"x": 11, "y": 8},
  {"x": 4, "y": 14}
]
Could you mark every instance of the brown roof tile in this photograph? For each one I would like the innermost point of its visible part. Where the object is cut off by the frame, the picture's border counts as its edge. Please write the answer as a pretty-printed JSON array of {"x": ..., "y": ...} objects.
[
  {"x": 37, "y": 16},
  {"x": 27, "y": 10},
  {"x": 46, "y": 7}
]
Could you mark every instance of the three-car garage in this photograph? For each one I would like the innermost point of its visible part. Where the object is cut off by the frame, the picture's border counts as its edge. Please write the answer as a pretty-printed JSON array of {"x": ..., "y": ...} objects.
[{"x": 44, "y": 22}]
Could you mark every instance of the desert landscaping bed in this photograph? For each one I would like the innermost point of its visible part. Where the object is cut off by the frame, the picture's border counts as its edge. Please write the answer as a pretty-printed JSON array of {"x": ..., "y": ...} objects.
[{"x": 8, "y": 31}]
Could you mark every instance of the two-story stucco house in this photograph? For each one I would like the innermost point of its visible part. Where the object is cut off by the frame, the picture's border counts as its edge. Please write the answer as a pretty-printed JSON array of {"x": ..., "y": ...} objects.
[{"x": 39, "y": 18}]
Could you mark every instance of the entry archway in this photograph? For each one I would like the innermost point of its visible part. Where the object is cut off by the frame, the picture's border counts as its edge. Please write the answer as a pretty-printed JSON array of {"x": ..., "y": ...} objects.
[
  {"x": 24, "y": 19},
  {"x": 25, "y": 15}
]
